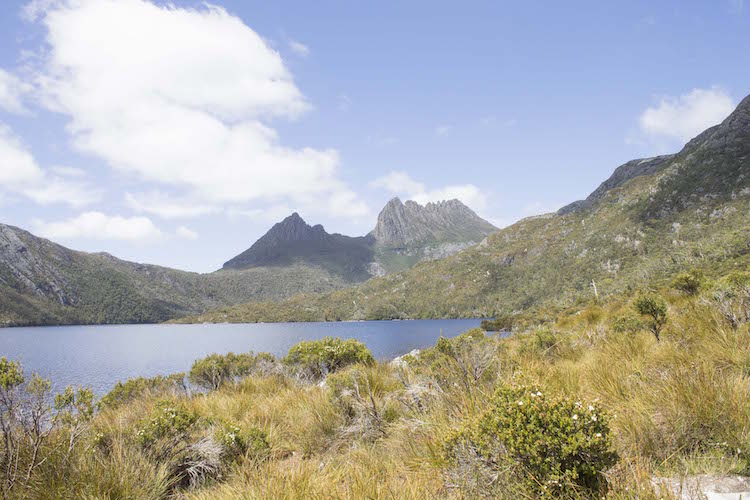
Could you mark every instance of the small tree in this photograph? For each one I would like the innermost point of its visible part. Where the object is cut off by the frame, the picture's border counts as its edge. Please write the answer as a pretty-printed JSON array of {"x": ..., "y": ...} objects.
[
  {"x": 689, "y": 283},
  {"x": 655, "y": 308}
]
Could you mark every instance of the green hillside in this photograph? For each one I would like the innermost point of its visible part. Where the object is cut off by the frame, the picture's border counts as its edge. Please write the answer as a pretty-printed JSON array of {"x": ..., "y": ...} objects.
[{"x": 690, "y": 211}]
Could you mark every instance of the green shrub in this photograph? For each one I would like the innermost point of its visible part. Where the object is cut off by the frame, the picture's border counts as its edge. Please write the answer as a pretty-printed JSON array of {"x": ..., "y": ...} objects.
[
  {"x": 541, "y": 340},
  {"x": 552, "y": 446},
  {"x": 500, "y": 324},
  {"x": 214, "y": 370},
  {"x": 135, "y": 388},
  {"x": 316, "y": 358},
  {"x": 11, "y": 374},
  {"x": 655, "y": 308},
  {"x": 236, "y": 441},
  {"x": 167, "y": 421},
  {"x": 689, "y": 283},
  {"x": 444, "y": 346},
  {"x": 627, "y": 323}
]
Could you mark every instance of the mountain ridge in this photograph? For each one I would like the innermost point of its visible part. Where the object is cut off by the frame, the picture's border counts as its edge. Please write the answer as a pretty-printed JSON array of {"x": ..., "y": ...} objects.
[
  {"x": 42, "y": 282},
  {"x": 642, "y": 226}
]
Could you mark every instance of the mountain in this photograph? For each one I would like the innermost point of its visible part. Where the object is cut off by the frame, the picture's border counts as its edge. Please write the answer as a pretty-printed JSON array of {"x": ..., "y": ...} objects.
[
  {"x": 45, "y": 283},
  {"x": 652, "y": 219},
  {"x": 293, "y": 241},
  {"x": 407, "y": 233}
]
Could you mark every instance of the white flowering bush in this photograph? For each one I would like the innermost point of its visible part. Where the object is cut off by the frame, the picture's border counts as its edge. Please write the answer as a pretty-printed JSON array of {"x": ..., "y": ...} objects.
[
  {"x": 168, "y": 421},
  {"x": 236, "y": 441},
  {"x": 552, "y": 445}
]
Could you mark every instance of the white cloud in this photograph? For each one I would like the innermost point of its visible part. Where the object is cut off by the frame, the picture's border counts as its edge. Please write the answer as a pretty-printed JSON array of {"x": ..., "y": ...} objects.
[
  {"x": 467, "y": 193},
  {"x": 161, "y": 204},
  {"x": 399, "y": 182},
  {"x": 186, "y": 233},
  {"x": 682, "y": 118},
  {"x": 99, "y": 226},
  {"x": 183, "y": 103},
  {"x": 17, "y": 165},
  {"x": 12, "y": 91},
  {"x": 274, "y": 213},
  {"x": 69, "y": 171},
  {"x": 443, "y": 130},
  {"x": 19, "y": 173},
  {"x": 57, "y": 190},
  {"x": 299, "y": 48}
]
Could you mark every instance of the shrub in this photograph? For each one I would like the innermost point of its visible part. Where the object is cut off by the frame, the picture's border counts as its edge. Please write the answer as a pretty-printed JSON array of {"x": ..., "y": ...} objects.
[
  {"x": 731, "y": 297},
  {"x": 689, "y": 283},
  {"x": 655, "y": 308},
  {"x": 317, "y": 358},
  {"x": 542, "y": 340},
  {"x": 236, "y": 441},
  {"x": 500, "y": 324},
  {"x": 212, "y": 371},
  {"x": 167, "y": 421},
  {"x": 135, "y": 388},
  {"x": 628, "y": 323},
  {"x": 550, "y": 445}
]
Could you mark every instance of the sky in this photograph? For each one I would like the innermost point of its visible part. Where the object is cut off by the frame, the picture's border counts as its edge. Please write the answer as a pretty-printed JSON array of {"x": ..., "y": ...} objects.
[{"x": 176, "y": 133}]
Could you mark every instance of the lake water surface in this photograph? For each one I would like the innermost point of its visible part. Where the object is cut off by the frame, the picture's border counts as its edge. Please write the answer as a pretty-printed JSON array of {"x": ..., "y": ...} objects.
[{"x": 99, "y": 356}]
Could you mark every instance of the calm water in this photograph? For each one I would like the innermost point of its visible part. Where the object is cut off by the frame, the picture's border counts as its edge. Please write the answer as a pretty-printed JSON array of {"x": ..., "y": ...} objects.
[{"x": 99, "y": 356}]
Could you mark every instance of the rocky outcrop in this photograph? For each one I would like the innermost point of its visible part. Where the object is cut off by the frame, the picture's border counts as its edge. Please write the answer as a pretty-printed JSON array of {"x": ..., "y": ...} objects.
[
  {"x": 409, "y": 224},
  {"x": 621, "y": 175}
]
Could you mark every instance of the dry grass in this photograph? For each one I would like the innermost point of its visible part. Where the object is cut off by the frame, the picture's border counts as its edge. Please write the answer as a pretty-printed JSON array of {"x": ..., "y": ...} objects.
[{"x": 682, "y": 407}]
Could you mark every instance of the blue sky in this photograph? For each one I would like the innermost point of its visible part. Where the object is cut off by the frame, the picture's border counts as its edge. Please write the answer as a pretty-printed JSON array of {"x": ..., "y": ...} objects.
[{"x": 178, "y": 133}]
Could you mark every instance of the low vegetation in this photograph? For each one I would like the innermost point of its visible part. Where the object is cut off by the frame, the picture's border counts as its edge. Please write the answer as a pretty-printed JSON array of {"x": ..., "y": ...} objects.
[{"x": 582, "y": 404}]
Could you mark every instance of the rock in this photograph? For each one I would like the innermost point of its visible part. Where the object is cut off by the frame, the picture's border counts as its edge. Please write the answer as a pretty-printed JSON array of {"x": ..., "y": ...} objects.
[
  {"x": 408, "y": 224},
  {"x": 705, "y": 486},
  {"x": 398, "y": 362}
]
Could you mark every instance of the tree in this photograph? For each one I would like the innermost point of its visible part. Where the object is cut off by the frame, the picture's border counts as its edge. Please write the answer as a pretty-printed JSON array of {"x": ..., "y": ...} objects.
[
  {"x": 689, "y": 283},
  {"x": 655, "y": 308}
]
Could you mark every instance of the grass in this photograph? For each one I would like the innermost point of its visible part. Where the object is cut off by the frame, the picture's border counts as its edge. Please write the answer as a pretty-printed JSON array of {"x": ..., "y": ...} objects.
[{"x": 680, "y": 406}]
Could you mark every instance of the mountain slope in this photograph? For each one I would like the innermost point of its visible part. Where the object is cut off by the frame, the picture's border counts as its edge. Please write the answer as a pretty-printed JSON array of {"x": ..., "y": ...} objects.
[
  {"x": 293, "y": 241},
  {"x": 691, "y": 210},
  {"x": 45, "y": 283}
]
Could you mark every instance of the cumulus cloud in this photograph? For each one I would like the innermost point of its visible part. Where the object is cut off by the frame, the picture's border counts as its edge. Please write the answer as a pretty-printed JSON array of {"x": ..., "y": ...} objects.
[
  {"x": 12, "y": 91},
  {"x": 399, "y": 182},
  {"x": 186, "y": 233},
  {"x": 161, "y": 204},
  {"x": 69, "y": 171},
  {"x": 20, "y": 174},
  {"x": 299, "y": 48},
  {"x": 99, "y": 226},
  {"x": 682, "y": 118},
  {"x": 182, "y": 102}
]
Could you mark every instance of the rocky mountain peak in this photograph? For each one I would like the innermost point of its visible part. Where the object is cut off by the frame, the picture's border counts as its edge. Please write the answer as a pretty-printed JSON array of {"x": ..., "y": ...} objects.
[
  {"x": 403, "y": 224},
  {"x": 294, "y": 228}
]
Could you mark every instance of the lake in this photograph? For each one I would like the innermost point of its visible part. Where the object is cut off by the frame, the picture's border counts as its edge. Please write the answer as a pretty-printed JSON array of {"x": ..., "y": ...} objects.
[{"x": 99, "y": 356}]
